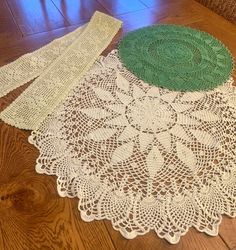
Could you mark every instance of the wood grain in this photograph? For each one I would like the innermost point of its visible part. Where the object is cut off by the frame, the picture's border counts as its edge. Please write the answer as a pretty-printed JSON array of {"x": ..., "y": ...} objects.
[
  {"x": 227, "y": 232},
  {"x": 117, "y": 7},
  {"x": 32, "y": 215},
  {"x": 8, "y": 27},
  {"x": 34, "y": 16},
  {"x": 78, "y": 11},
  {"x": 183, "y": 14}
]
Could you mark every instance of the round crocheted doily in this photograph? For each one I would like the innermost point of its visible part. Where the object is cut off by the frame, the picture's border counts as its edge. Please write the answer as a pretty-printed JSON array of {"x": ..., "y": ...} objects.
[
  {"x": 146, "y": 158},
  {"x": 176, "y": 57}
]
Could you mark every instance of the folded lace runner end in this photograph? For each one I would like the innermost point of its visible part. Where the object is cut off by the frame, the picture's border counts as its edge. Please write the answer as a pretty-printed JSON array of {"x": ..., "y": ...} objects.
[{"x": 70, "y": 58}]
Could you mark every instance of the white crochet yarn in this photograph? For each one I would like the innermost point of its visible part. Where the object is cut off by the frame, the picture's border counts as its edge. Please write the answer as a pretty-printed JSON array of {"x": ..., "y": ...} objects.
[{"x": 141, "y": 156}]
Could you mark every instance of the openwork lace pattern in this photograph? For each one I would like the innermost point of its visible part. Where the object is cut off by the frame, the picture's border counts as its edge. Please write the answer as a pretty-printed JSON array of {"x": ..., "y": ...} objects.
[
  {"x": 31, "y": 65},
  {"x": 176, "y": 57},
  {"x": 54, "y": 83},
  {"x": 144, "y": 157}
]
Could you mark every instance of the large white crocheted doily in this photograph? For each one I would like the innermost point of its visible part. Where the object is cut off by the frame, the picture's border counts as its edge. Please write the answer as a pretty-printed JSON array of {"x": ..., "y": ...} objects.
[{"x": 141, "y": 156}]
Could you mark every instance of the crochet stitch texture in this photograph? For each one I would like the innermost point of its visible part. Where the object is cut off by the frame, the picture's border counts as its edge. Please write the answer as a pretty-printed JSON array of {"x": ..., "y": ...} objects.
[
  {"x": 144, "y": 157},
  {"x": 56, "y": 75},
  {"x": 176, "y": 57}
]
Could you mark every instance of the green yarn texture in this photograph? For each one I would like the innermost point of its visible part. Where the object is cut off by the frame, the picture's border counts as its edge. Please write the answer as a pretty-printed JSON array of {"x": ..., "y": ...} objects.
[{"x": 176, "y": 57}]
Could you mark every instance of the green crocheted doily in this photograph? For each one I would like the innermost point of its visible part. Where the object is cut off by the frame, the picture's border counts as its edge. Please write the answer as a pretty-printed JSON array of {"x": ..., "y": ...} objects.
[{"x": 176, "y": 57}]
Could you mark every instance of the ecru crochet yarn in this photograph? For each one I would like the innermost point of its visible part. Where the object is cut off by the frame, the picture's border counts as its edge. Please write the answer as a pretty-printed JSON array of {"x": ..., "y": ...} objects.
[{"x": 57, "y": 66}]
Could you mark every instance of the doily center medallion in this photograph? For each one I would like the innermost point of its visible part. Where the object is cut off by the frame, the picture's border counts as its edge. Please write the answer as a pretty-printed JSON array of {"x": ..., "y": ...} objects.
[
  {"x": 146, "y": 114},
  {"x": 176, "y": 57}
]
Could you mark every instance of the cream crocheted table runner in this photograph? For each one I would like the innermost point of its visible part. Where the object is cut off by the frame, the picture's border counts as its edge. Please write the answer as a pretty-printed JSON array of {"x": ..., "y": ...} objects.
[
  {"x": 56, "y": 65},
  {"x": 142, "y": 156}
]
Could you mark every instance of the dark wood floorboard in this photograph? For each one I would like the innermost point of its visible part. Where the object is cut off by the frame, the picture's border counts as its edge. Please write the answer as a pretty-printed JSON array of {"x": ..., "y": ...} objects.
[
  {"x": 9, "y": 29},
  {"x": 35, "y": 16},
  {"x": 158, "y": 3},
  {"x": 78, "y": 11},
  {"x": 117, "y": 7},
  {"x": 32, "y": 215}
]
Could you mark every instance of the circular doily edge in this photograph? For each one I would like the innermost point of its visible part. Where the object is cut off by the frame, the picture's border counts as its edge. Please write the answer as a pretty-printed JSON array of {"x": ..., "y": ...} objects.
[{"x": 189, "y": 28}]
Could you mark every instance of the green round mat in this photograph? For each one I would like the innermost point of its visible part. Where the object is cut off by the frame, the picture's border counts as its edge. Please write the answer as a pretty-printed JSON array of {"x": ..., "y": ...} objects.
[{"x": 176, "y": 57}]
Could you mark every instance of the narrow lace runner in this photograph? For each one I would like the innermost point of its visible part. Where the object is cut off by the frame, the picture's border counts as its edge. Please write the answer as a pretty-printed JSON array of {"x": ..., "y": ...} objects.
[
  {"x": 57, "y": 66},
  {"x": 143, "y": 157}
]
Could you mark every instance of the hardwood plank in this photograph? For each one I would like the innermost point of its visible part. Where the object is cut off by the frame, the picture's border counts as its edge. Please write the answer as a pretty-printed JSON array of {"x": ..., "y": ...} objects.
[
  {"x": 94, "y": 234},
  {"x": 227, "y": 231},
  {"x": 78, "y": 11},
  {"x": 157, "y": 3},
  {"x": 177, "y": 13},
  {"x": 192, "y": 240},
  {"x": 34, "y": 16},
  {"x": 8, "y": 28},
  {"x": 117, "y": 7},
  {"x": 33, "y": 215},
  {"x": 34, "y": 218},
  {"x": 131, "y": 22}
]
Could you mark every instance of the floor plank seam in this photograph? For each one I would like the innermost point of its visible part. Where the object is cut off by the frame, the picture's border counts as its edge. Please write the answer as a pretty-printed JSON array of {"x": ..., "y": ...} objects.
[
  {"x": 227, "y": 245},
  {"x": 124, "y": 13},
  {"x": 108, "y": 231},
  {"x": 67, "y": 21},
  {"x": 13, "y": 18}
]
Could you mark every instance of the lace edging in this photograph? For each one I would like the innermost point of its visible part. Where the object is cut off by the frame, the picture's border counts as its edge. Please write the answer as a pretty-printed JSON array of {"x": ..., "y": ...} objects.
[{"x": 161, "y": 229}]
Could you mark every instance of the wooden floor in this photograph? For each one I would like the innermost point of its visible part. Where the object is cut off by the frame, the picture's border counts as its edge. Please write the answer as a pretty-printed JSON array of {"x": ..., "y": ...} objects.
[{"x": 32, "y": 215}]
